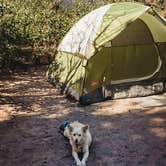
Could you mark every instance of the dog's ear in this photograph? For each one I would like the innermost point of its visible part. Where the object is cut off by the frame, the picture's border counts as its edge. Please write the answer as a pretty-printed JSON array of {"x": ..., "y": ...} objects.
[
  {"x": 70, "y": 128},
  {"x": 85, "y": 128}
]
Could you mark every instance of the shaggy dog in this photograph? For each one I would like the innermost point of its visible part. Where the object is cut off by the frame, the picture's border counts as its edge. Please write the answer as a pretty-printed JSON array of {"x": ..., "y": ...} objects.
[{"x": 80, "y": 140}]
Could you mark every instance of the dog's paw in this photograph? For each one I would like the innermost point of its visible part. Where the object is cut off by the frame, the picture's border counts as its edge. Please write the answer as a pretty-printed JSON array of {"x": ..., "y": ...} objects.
[
  {"x": 79, "y": 163},
  {"x": 83, "y": 163}
]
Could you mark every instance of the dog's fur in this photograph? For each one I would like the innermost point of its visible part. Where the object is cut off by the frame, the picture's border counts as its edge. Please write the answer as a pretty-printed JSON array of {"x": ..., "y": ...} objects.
[{"x": 80, "y": 140}]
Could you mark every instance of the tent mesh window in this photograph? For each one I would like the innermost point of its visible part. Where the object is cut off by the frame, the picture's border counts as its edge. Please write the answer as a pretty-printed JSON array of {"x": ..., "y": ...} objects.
[{"x": 135, "y": 34}]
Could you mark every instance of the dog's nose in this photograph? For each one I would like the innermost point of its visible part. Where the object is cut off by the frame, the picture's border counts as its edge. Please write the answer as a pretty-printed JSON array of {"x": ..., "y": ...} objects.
[{"x": 76, "y": 141}]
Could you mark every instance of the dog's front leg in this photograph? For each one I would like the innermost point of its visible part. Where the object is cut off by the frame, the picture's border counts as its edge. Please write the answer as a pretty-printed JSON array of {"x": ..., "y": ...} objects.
[
  {"x": 75, "y": 155},
  {"x": 85, "y": 156}
]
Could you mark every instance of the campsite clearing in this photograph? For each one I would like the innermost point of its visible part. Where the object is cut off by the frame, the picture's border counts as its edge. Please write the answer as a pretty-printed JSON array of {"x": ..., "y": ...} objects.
[{"x": 126, "y": 132}]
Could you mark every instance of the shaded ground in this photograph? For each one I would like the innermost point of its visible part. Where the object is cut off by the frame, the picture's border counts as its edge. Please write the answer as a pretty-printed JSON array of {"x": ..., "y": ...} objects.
[{"x": 125, "y": 133}]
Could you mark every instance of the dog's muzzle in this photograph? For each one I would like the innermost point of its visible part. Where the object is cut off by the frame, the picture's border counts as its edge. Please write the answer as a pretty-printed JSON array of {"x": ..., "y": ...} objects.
[{"x": 76, "y": 141}]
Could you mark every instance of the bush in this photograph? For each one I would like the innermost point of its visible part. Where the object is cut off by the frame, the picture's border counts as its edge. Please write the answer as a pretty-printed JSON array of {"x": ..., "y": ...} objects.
[
  {"x": 36, "y": 27},
  {"x": 35, "y": 23}
]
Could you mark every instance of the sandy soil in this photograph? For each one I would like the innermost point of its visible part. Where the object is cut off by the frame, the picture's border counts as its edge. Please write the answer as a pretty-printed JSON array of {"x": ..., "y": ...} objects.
[{"x": 31, "y": 110}]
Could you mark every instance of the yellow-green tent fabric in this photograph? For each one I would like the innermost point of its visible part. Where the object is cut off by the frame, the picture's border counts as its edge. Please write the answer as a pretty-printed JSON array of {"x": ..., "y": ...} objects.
[{"x": 116, "y": 46}]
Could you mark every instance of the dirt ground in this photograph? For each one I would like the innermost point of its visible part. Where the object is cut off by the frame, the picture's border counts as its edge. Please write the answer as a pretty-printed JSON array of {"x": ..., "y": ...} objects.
[{"x": 124, "y": 132}]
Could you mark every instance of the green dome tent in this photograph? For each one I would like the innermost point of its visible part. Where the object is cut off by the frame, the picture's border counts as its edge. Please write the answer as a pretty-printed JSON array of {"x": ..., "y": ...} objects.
[{"x": 116, "y": 51}]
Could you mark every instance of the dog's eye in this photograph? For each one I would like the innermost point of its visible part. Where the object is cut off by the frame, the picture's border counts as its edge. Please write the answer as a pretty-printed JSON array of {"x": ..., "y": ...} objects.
[
  {"x": 79, "y": 135},
  {"x": 74, "y": 135}
]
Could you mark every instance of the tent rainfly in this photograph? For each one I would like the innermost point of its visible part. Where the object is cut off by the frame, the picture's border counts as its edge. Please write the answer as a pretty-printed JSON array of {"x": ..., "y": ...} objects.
[{"x": 115, "y": 51}]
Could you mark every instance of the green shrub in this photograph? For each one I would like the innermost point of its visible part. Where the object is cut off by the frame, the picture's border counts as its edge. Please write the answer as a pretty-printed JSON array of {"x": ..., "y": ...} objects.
[{"x": 36, "y": 25}]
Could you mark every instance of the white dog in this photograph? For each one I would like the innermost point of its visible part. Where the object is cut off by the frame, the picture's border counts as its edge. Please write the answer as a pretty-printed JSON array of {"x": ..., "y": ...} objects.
[{"x": 80, "y": 140}]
